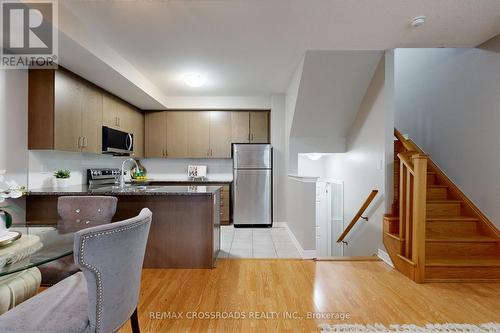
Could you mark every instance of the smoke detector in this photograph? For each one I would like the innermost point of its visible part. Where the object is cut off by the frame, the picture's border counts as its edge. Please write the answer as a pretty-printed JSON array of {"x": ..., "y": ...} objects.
[{"x": 417, "y": 21}]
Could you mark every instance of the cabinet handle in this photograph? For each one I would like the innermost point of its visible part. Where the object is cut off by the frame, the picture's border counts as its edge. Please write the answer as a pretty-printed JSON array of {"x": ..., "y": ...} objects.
[
  {"x": 163, "y": 152},
  {"x": 119, "y": 121},
  {"x": 79, "y": 142},
  {"x": 85, "y": 141},
  {"x": 252, "y": 136}
]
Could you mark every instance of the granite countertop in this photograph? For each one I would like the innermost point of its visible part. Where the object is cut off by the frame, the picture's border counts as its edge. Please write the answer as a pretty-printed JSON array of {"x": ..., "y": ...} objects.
[
  {"x": 182, "y": 178},
  {"x": 128, "y": 190}
]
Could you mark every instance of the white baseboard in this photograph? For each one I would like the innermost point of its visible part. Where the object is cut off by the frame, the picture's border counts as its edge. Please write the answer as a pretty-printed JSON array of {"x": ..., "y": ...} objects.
[
  {"x": 385, "y": 257},
  {"x": 280, "y": 225},
  {"x": 305, "y": 254}
]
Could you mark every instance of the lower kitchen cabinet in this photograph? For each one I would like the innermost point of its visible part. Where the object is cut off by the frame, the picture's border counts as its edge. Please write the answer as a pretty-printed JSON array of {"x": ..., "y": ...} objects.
[{"x": 225, "y": 203}]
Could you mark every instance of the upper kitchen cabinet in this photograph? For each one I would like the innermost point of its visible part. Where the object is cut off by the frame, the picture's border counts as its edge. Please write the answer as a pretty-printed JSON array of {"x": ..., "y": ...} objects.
[
  {"x": 67, "y": 113},
  {"x": 259, "y": 127},
  {"x": 64, "y": 112},
  {"x": 220, "y": 134},
  {"x": 202, "y": 134},
  {"x": 91, "y": 119},
  {"x": 111, "y": 112},
  {"x": 198, "y": 134},
  {"x": 155, "y": 135},
  {"x": 187, "y": 134},
  {"x": 177, "y": 134},
  {"x": 250, "y": 127},
  {"x": 240, "y": 127}
]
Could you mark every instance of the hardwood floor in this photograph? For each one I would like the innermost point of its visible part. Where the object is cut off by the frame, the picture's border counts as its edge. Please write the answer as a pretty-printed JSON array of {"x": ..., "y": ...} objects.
[{"x": 370, "y": 292}]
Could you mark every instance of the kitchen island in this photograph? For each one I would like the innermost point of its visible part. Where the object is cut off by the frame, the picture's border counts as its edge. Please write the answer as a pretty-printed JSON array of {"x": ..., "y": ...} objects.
[{"x": 184, "y": 233}]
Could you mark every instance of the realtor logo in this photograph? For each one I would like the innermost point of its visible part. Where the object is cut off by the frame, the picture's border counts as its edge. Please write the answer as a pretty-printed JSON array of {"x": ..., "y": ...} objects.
[{"x": 28, "y": 34}]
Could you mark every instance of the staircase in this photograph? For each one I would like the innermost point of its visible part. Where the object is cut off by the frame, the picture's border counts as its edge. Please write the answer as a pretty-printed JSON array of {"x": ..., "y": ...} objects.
[{"x": 436, "y": 233}]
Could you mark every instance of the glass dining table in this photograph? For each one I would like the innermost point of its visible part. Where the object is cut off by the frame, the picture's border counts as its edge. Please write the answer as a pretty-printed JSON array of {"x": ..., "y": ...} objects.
[
  {"x": 19, "y": 276},
  {"x": 50, "y": 243}
]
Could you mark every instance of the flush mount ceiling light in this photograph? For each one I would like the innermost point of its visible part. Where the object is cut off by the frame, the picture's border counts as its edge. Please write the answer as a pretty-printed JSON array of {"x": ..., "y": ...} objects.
[
  {"x": 417, "y": 21},
  {"x": 193, "y": 80}
]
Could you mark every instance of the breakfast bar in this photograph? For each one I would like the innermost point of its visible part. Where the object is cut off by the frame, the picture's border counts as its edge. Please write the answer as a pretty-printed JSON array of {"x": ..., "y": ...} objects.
[{"x": 185, "y": 231}]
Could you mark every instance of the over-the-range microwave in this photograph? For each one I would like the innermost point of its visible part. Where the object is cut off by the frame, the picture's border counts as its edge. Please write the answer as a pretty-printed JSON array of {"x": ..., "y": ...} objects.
[{"x": 117, "y": 142}]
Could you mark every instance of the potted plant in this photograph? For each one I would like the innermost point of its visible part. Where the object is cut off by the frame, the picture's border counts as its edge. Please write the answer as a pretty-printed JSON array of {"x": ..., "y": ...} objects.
[
  {"x": 62, "y": 177},
  {"x": 8, "y": 189}
]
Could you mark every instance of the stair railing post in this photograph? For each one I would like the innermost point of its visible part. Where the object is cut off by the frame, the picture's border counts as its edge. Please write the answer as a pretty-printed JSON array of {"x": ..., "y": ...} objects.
[{"x": 419, "y": 215}]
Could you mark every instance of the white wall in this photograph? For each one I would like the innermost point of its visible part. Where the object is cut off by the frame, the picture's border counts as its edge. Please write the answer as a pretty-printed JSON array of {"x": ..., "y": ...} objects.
[
  {"x": 14, "y": 130},
  {"x": 362, "y": 167},
  {"x": 448, "y": 101},
  {"x": 278, "y": 123}
]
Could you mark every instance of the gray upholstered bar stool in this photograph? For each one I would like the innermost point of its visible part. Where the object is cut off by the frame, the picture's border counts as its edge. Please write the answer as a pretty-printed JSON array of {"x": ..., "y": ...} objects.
[
  {"x": 76, "y": 213},
  {"x": 103, "y": 296}
]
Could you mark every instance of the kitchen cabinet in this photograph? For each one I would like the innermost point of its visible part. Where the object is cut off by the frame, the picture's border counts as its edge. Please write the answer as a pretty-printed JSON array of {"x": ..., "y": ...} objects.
[
  {"x": 155, "y": 135},
  {"x": 225, "y": 217},
  {"x": 198, "y": 134},
  {"x": 77, "y": 115},
  {"x": 91, "y": 119},
  {"x": 177, "y": 134},
  {"x": 240, "y": 128},
  {"x": 137, "y": 128},
  {"x": 111, "y": 112},
  {"x": 259, "y": 127},
  {"x": 66, "y": 112},
  {"x": 220, "y": 134},
  {"x": 202, "y": 134}
]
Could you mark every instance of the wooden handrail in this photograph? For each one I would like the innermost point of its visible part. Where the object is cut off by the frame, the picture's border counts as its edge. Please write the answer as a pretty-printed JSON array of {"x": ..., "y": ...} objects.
[
  {"x": 407, "y": 144},
  {"x": 406, "y": 159},
  {"x": 358, "y": 215}
]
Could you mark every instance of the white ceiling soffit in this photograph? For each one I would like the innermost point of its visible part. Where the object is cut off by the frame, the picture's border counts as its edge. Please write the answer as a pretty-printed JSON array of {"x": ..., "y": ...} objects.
[
  {"x": 331, "y": 90},
  {"x": 82, "y": 52},
  {"x": 251, "y": 48}
]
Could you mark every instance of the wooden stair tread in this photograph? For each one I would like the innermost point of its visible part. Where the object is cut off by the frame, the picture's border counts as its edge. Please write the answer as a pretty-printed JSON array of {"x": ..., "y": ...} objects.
[
  {"x": 437, "y": 201},
  {"x": 437, "y": 186},
  {"x": 463, "y": 262},
  {"x": 460, "y": 218},
  {"x": 435, "y": 237}
]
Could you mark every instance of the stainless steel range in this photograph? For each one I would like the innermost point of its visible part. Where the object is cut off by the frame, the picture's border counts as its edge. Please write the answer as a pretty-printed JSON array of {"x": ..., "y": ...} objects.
[{"x": 103, "y": 177}]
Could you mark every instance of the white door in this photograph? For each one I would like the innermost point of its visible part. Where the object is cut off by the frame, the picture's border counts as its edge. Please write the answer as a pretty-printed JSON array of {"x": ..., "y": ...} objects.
[
  {"x": 336, "y": 217},
  {"x": 322, "y": 220}
]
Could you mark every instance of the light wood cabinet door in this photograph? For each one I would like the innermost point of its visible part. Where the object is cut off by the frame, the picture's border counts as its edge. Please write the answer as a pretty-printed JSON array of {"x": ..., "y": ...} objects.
[
  {"x": 110, "y": 111},
  {"x": 67, "y": 113},
  {"x": 220, "y": 134},
  {"x": 155, "y": 135},
  {"x": 138, "y": 131},
  {"x": 127, "y": 116},
  {"x": 240, "y": 127},
  {"x": 259, "y": 127},
  {"x": 177, "y": 134},
  {"x": 91, "y": 119},
  {"x": 198, "y": 134}
]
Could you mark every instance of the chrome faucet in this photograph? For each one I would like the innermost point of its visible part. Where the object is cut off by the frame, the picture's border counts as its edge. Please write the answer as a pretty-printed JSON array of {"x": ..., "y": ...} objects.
[{"x": 122, "y": 178}]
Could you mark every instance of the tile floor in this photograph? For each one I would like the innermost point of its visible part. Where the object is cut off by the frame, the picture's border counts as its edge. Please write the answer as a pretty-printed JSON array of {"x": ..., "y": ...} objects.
[{"x": 256, "y": 243}]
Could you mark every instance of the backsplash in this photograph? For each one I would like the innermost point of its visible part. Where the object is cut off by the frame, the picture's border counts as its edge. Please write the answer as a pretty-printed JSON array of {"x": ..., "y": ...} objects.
[
  {"x": 43, "y": 163},
  {"x": 159, "y": 168}
]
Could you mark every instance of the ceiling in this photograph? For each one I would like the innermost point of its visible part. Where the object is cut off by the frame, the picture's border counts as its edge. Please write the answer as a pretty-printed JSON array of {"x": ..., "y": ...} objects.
[{"x": 251, "y": 48}]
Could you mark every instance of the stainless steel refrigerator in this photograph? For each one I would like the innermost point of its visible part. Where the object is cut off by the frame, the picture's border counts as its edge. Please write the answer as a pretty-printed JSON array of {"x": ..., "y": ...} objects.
[{"x": 252, "y": 184}]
